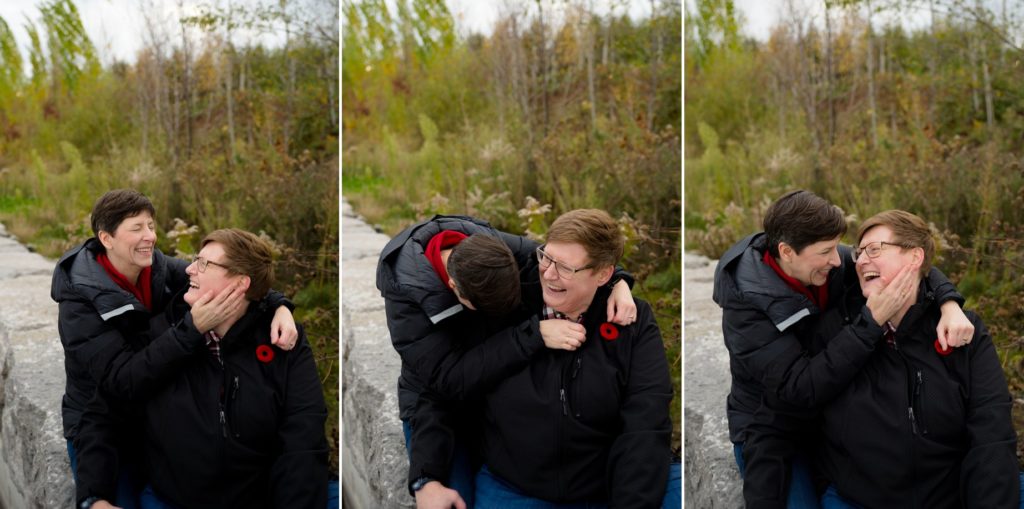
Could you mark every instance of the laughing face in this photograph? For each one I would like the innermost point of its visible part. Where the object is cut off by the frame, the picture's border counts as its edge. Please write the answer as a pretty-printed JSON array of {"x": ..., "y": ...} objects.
[
  {"x": 811, "y": 265},
  {"x": 875, "y": 273},
  {"x": 214, "y": 278},
  {"x": 130, "y": 246},
  {"x": 571, "y": 296}
]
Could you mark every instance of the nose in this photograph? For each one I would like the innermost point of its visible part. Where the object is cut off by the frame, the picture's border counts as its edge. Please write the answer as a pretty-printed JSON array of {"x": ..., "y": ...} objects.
[
  {"x": 151, "y": 234},
  {"x": 192, "y": 269},
  {"x": 834, "y": 259}
]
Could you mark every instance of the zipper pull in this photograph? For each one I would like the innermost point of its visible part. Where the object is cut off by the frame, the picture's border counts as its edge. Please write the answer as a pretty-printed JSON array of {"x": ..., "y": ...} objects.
[
  {"x": 917, "y": 386},
  {"x": 913, "y": 421},
  {"x": 234, "y": 388},
  {"x": 561, "y": 396},
  {"x": 223, "y": 424},
  {"x": 575, "y": 370}
]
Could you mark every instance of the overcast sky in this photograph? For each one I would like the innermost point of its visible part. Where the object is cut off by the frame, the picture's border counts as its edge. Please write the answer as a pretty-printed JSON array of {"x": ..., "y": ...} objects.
[{"x": 116, "y": 27}]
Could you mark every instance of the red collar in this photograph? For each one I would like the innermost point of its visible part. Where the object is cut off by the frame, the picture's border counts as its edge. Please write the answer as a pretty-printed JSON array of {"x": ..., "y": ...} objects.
[
  {"x": 143, "y": 291},
  {"x": 817, "y": 294},
  {"x": 437, "y": 243}
]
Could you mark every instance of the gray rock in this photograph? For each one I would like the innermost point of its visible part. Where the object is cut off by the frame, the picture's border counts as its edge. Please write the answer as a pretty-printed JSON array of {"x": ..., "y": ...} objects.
[
  {"x": 34, "y": 469},
  {"x": 711, "y": 477},
  {"x": 375, "y": 464}
]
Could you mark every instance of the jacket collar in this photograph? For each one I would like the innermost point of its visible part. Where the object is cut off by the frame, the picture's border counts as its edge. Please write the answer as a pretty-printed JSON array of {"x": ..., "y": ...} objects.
[{"x": 79, "y": 275}]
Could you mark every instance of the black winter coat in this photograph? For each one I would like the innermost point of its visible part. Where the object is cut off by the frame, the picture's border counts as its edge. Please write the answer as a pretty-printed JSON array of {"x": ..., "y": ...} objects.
[
  {"x": 917, "y": 429},
  {"x": 102, "y": 327},
  {"x": 424, "y": 318},
  {"x": 589, "y": 425},
  {"x": 105, "y": 330},
  {"x": 248, "y": 433},
  {"x": 762, "y": 323}
]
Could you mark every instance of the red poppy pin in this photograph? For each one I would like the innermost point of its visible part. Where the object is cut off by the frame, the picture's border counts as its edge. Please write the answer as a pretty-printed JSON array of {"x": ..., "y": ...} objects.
[
  {"x": 264, "y": 353},
  {"x": 609, "y": 332},
  {"x": 938, "y": 348}
]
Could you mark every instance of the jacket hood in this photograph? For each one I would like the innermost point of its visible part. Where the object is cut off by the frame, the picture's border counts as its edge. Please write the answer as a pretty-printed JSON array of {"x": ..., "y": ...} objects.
[{"x": 404, "y": 272}]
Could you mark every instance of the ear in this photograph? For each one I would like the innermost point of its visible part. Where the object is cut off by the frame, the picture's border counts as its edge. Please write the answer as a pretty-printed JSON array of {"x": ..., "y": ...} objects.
[
  {"x": 451, "y": 284},
  {"x": 786, "y": 251},
  {"x": 605, "y": 274},
  {"x": 245, "y": 282},
  {"x": 105, "y": 238},
  {"x": 918, "y": 254}
]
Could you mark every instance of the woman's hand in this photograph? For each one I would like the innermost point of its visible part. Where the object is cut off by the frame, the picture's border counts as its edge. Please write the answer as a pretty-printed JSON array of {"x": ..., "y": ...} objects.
[
  {"x": 890, "y": 300},
  {"x": 434, "y": 495},
  {"x": 283, "y": 332},
  {"x": 621, "y": 307},
  {"x": 562, "y": 334},
  {"x": 954, "y": 329},
  {"x": 208, "y": 312}
]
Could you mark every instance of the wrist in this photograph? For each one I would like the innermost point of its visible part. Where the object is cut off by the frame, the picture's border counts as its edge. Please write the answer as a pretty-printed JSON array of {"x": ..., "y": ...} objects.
[{"x": 88, "y": 502}]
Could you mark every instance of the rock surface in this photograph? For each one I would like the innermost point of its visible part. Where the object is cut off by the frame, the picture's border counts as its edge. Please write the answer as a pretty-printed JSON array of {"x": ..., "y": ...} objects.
[
  {"x": 712, "y": 479},
  {"x": 34, "y": 469},
  {"x": 374, "y": 460}
]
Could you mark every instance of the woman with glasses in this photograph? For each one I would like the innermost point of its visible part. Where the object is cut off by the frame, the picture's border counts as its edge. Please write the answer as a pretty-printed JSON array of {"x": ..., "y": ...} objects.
[
  {"x": 773, "y": 287},
  {"x": 241, "y": 424},
  {"x": 920, "y": 425},
  {"x": 107, "y": 289},
  {"x": 449, "y": 284},
  {"x": 586, "y": 426}
]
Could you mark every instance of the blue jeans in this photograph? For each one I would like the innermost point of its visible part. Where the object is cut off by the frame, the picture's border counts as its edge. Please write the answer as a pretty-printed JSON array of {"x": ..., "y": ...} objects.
[
  {"x": 493, "y": 492},
  {"x": 127, "y": 481},
  {"x": 460, "y": 478},
  {"x": 801, "y": 487},
  {"x": 833, "y": 500}
]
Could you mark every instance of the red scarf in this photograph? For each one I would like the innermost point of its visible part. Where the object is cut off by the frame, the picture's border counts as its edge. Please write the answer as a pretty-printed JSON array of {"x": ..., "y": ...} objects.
[
  {"x": 443, "y": 240},
  {"x": 143, "y": 292},
  {"x": 821, "y": 299}
]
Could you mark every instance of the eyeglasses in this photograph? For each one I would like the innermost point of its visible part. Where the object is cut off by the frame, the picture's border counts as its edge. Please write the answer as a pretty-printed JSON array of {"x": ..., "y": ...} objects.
[
  {"x": 564, "y": 271},
  {"x": 874, "y": 249},
  {"x": 201, "y": 264}
]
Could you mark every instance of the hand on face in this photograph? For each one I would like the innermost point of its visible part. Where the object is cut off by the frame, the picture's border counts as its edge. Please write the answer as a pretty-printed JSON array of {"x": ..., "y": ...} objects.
[
  {"x": 208, "y": 312},
  {"x": 885, "y": 303}
]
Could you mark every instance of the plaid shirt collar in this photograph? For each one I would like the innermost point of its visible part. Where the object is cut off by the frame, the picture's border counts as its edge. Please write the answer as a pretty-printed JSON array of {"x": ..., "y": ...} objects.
[
  {"x": 550, "y": 313},
  {"x": 213, "y": 343}
]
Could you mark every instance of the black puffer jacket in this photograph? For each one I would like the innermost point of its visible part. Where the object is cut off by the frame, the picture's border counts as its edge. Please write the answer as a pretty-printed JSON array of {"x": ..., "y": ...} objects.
[
  {"x": 248, "y": 433},
  {"x": 917, "y": 429},
  {"x": 762, "y": 322},
  {"x": 105, "y": 330},
  {"x": 437, "y": 351},
  {"x": 589, "y": 425},
  {"x": 102, "y": 327}
]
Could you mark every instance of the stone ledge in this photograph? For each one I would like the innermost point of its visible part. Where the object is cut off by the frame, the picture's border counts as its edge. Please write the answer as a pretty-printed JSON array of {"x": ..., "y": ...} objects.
[
  {"x": 711, "y": 477},
  {"x": 375, "y": 464},
  {"x": 34, "y": 469}
]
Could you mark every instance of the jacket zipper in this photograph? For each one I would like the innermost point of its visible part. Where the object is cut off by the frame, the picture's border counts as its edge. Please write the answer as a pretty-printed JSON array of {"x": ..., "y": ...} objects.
[{"x": 577, "y": 401}]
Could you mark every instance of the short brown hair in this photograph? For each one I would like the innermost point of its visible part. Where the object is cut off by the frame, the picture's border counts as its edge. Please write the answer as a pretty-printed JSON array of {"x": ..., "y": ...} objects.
[
  {"x": 593, "y": 229},
  {"x": 248, "y": 255},
  {"x": 485, "y": 273},
  {"x": 801, "y": 218},
  {"x": 115, "y": 206},
  {"x": 908, "y": 231}
]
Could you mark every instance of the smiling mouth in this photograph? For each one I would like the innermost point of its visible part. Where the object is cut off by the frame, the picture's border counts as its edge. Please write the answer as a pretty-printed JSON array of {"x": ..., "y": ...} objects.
[
  {"x": 553, "y": 289},
  {"x": 193, "y": 284},
  {"x": 869, "y": 276}
]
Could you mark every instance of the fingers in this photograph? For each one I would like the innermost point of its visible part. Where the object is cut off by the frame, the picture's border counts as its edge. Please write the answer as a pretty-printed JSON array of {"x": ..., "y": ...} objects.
[
  {"x": 944, "y": 339},
  {"x": 459, "y": 503}
]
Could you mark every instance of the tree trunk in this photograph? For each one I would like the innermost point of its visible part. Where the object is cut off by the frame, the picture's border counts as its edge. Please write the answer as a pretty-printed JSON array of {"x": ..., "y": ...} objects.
[{"x": 872, "y": 102}]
